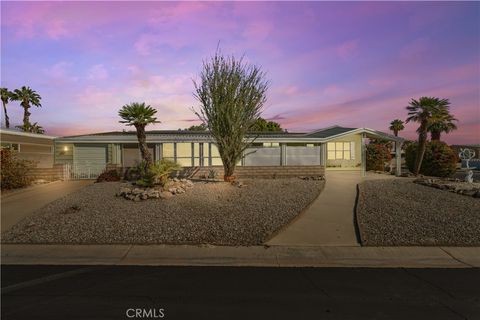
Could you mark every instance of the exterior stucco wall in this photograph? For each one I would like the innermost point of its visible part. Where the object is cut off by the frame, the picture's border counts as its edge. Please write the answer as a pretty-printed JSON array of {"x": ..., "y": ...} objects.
[
  {"x": 36, "y": 149},
  {"x": 354, "y": 163}
]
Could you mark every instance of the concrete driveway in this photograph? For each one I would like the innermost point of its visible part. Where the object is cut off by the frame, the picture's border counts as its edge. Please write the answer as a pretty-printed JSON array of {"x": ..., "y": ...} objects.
[
  {"x": 329, "y": 221},
  {"x": 22, "y": 203}
]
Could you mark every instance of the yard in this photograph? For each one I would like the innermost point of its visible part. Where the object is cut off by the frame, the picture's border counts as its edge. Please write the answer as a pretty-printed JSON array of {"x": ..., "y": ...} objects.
[
  {"x": 209, "y": 213},
  {"x": 399, "y": 212}
]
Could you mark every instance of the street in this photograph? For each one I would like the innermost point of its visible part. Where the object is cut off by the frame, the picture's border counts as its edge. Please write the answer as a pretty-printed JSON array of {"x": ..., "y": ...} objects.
[{"x": 113, "y": 292}]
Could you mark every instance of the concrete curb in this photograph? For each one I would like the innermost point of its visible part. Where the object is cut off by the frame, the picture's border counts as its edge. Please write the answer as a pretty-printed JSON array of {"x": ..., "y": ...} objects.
[{"x": 257, "y": 256}]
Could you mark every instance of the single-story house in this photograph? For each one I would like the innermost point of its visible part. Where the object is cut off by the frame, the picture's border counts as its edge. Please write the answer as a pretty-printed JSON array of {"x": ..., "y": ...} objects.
[
  {"x": 29, "y": 146},
  {"x": 332, "y": 148}
]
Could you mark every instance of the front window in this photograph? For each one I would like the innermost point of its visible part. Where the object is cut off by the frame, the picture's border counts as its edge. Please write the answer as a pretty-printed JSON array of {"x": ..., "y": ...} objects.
[
  {"x": 340, "y": 150},
  {"x": 11, "y": 146}
]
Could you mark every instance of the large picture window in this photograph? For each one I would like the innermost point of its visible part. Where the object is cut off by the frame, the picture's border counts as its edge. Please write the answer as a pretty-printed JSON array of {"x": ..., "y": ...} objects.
[{"x": 340, "y": 150}]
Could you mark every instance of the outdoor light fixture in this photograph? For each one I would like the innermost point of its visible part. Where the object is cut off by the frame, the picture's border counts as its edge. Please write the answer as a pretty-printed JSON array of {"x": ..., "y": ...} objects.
[{"x": 65, "y": 148}]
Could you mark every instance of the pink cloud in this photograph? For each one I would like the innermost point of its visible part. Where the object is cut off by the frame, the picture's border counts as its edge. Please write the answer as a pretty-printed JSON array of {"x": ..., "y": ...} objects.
[{"x": 347, "y": 49}]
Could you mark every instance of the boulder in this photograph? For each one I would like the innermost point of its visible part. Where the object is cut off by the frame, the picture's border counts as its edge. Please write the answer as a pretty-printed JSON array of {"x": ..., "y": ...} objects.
[{"x": 166, "y": 195}]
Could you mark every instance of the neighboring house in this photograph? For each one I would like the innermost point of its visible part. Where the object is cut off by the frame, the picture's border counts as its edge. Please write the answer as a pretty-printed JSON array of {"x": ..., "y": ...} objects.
[
  {"x": 334, "y": 148},
  {"x": 30, "y": 146}
]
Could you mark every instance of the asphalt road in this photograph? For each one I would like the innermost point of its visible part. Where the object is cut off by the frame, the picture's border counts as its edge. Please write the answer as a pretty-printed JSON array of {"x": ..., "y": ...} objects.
[{"x": 105, "y": 292}]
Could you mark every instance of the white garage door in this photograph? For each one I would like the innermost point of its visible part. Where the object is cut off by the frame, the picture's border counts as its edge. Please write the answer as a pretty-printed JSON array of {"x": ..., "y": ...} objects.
[{"x": 89, "y": 161}]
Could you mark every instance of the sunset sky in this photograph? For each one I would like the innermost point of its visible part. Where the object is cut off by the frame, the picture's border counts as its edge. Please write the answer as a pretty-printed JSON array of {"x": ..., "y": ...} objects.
[{"x": 352, "y": 64}]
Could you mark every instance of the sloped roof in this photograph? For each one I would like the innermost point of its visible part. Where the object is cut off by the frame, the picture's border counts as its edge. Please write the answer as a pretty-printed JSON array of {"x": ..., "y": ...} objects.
[{"x": 328, "y": 132}]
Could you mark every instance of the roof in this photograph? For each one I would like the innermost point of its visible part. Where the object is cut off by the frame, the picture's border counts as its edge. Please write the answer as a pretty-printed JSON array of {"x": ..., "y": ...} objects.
[
  {"x": 25, "y": 134},
  {"x": 185, "y": 135},
  {"x": 328, "y": 132}
]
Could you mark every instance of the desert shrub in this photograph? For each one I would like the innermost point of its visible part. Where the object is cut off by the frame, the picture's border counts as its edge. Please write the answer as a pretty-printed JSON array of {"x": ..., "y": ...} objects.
[
  {"x": 162, "y": 170},
  {"x": 212, "y": 174},
  {"x": 14, "y": 171},
  {"x": 107, "y": 176},
  {"x": 378, "y": 154},
  {"x": 439, "y": 160},
  {"x": 157, "y": 173}
]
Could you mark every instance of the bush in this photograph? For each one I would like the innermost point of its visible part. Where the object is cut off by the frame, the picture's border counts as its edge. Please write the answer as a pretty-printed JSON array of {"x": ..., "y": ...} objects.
[
  {"x": 108, "y": 176},
  {"x": 162, "y": 169},
  {"x": 157, "y": 173},
  {"x": 14, "y": 171},
  {"x": 439, "y": 160},
  {"x": 377, "y": 155}
]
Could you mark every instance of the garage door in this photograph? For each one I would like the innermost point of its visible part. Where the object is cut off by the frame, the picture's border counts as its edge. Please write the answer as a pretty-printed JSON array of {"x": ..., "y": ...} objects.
[{"x": 89, "y": 161}]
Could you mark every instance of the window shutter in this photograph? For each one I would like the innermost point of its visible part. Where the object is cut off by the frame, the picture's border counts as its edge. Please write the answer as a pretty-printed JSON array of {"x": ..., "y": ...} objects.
[{"x": 352, "y": 150}]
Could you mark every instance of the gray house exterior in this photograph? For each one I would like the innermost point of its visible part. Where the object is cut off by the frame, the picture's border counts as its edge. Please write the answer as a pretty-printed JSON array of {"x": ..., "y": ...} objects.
[{"x": 332, "y": 148}]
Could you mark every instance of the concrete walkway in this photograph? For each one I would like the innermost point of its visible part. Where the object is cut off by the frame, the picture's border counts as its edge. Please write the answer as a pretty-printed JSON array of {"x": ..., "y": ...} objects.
[
  {"x": 329, "y": 219},
  {"x": 17, "y": 205},
  {"x": 279, "y": 256}
]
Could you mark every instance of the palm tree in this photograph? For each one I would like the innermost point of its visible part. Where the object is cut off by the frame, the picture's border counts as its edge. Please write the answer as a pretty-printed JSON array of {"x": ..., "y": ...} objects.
[
  {"x": 424, "y": 111},
  {"x": 396, "y": 126},
  {"x": 139, "y": 115},
  {"x": 33, "y": 128},
  {"x": 27, "y": 97},
  {"x": 443, "y": 123},
  {"x": 6, "y": 96}
]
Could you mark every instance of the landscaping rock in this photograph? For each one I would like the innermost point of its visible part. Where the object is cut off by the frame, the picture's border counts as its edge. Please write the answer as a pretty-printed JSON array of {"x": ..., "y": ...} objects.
[
  {"x": 136, "y": 193},
  {"x": 166, "y": 195}
]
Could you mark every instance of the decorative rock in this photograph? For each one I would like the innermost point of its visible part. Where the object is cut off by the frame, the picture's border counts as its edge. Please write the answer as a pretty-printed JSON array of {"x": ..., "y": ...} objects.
[
  {"x": 165, "y": 195},
  {"x": 137, "y": 191}
]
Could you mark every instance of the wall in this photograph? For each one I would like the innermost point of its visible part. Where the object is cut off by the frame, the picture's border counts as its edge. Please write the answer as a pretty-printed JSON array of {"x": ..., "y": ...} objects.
[
  {"x": 36, "y": 149},
  {"x": 354, "y": 163},
  {"x": 258, "y": 171},
  {"x": 49, "y": 174}
]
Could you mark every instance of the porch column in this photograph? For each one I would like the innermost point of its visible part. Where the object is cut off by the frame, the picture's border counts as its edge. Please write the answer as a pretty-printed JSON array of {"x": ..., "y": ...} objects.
[
  {"x": 323, "y": 154},
  {"x": 283, "y": 154},
  {"x": 398, "y": 158},
  {"x": 364, "y": 156},
  {"x": 157, "y": 151}
]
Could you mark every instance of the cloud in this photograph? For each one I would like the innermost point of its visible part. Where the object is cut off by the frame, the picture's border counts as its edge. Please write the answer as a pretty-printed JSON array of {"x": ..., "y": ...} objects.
[
  {"x": 56, "y": 29},
  {"x": 347, "y": 49},
  {"x": 97, "y": 72}
]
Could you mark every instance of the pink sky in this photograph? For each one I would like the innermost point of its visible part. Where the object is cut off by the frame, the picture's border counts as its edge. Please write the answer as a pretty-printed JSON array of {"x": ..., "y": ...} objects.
[{"x": 347, "y": 63}]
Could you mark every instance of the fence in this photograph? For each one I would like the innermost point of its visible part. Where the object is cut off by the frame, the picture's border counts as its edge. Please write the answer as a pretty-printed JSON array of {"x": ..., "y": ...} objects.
[{"x": 78, "y": 172}]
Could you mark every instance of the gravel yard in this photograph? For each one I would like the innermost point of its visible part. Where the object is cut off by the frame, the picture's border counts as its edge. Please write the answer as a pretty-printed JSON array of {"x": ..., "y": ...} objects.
[
  {"x": 399, "y": 212},
  {"x": 214, "y": 213}
]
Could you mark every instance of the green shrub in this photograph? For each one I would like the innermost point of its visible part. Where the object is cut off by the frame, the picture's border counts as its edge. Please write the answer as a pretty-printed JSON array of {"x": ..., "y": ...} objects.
[
  {"x": 378, "y": 154},
  {"x": 14, "y": 171},
  {"x": 107, "y": 176},
  {"x": 157, "y": 173},
  {"x": 162, "y": 169},
  {"x": 439, "y": 160}
]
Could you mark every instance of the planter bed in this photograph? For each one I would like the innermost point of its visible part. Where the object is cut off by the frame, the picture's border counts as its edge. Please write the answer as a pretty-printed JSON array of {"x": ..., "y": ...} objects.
[
  {"x": 214, "y": 213},
  {"x": 402, "y": 213}
]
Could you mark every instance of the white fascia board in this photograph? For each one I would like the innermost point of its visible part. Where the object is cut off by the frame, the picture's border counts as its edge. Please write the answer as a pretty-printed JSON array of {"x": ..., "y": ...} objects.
[
  {"x": 26, "y": 134},
  {"x": 365, "y": 130}
]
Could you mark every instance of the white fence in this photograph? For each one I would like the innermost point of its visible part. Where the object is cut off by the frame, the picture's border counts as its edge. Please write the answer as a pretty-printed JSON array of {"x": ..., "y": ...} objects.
[{"x": 84, "y": 171}]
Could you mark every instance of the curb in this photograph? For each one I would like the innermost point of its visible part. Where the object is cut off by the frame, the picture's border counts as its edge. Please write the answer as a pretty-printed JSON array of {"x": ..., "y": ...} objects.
[{"x": 256, "y": 256}]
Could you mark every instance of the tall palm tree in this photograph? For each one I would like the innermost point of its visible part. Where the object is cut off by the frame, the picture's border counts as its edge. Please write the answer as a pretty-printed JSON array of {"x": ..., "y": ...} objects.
[
  {"x": 6, "y": 96},
  {"x": 443, "y": 123},
  {"x": 27, "y": 98},
  {"x": 396, "y": 126},
  {"x": 424, "y": 111},
  {"x": 139, "y": 115}
]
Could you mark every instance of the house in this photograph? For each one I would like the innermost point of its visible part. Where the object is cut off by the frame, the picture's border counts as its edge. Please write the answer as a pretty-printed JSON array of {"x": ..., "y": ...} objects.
[
  {"x": 29, "y": 146},
  {"x": 271, "y": 153},
  {"x": 38, "y": 148}
]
